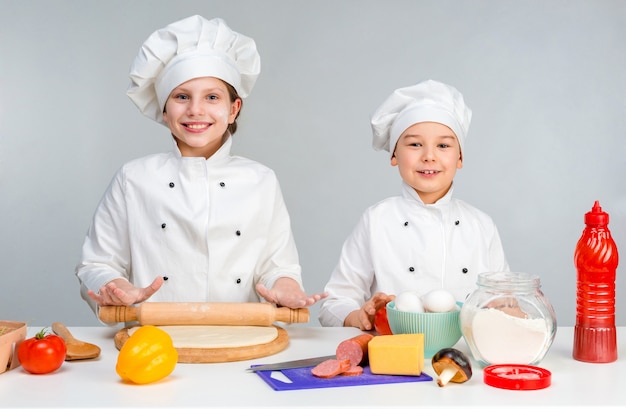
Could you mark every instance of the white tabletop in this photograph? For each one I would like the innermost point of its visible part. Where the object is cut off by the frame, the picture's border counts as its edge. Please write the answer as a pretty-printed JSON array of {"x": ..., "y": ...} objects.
[{"x": 94, "y": 383}]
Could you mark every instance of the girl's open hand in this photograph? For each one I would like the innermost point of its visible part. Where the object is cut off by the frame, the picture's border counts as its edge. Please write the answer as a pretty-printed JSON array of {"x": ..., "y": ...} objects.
[
  {"x": 287, "y": 293},
  {"x": 122, "y": 292}
]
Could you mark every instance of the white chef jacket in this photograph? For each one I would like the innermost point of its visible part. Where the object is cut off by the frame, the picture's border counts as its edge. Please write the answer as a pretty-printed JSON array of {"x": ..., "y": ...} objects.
[
  {"x": 214, "y": 227},
  {"x": 401, "y": 244}
]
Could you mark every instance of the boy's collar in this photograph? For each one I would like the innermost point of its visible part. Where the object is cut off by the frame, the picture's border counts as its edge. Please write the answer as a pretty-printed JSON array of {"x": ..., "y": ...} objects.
[{"x": 408, "y": 191}]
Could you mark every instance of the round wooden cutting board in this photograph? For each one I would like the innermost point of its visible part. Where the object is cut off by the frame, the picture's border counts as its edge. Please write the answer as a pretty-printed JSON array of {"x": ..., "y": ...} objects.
[{"x": 214, "y": 355}]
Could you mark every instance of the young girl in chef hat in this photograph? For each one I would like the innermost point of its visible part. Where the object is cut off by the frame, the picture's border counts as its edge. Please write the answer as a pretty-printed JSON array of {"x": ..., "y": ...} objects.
[
  {"x": 424, "y": 239},
  {"x": 195, "y": 224}
]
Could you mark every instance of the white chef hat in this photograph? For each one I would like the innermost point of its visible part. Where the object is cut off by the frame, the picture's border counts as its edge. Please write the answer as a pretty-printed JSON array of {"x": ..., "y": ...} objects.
[
  {"x": 428, "y": 101},
  {"x": 191, "y": 48}
]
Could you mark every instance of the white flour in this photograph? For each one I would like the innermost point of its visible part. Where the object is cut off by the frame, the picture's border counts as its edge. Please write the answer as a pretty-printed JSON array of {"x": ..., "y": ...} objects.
[{"x": 502, "y": 338}]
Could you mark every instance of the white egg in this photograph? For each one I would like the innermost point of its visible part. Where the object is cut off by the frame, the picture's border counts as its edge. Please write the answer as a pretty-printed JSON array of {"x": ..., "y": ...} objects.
[
  {"x": 408, "y": 301},
  {"x": 438, "y": 301}
]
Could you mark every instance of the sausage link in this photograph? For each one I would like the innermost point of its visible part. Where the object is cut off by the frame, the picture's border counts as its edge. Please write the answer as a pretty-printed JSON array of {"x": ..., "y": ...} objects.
[{"x": 354, "y": 349}]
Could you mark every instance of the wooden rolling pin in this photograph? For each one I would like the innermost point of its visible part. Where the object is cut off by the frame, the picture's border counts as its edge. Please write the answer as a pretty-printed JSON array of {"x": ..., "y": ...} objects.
[{"x": 203, "y": 313}]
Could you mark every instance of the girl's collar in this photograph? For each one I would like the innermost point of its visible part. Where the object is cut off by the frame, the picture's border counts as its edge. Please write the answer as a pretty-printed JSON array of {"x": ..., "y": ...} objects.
[{"x": 221, "y": 154}]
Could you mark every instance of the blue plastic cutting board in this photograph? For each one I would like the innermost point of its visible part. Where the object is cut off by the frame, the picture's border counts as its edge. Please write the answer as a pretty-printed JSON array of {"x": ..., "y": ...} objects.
[{"x": 301, "y": 378}]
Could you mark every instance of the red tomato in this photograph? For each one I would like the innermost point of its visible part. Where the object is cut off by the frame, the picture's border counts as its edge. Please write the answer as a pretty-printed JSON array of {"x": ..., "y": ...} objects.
[
  {"x": 381, "y": 324},
  {"x": 42, "y": 353}
]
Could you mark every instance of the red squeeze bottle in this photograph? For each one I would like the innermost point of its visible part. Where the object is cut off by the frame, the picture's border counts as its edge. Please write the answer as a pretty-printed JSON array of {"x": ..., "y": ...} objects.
[{"x": 596, "y": 259}]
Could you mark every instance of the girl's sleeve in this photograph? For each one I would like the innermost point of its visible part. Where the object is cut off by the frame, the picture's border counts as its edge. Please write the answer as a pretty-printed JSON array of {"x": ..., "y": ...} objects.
[
  {"x": 351, "y": 281},
  {"x": 280, "y": 257},
  {"x": 106, "y": 249}
]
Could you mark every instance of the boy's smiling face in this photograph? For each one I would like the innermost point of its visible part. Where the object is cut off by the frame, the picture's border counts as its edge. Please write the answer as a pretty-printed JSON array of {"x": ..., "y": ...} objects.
[
  {"x": 428, "y": 155},
  {"x": 198, "y": 113}
]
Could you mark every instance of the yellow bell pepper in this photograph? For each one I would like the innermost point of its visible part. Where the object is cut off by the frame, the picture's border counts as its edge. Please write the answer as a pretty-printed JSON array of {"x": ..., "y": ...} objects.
[{"x": 147, "y": 356}]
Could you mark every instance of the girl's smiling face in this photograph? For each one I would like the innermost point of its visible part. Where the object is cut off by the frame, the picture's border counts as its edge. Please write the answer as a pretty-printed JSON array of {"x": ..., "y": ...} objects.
[
  {"x": 198, "y": 113},
  {"x": 427, "y": 156}
]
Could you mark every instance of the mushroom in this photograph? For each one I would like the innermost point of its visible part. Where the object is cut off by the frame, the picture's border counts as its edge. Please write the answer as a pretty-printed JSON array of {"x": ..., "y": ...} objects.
[{"x": 451, "y": 365}]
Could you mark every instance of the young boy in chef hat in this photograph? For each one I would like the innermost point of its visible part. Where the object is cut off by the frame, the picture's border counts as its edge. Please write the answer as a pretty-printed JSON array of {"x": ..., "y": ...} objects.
[
  {"x": 195, "y": 224},
  {"x": 424, "y": 239}
]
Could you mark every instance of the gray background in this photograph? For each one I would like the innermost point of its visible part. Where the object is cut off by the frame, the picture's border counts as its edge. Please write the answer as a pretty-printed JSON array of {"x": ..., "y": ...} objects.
[{"x": 545, "y": 80}]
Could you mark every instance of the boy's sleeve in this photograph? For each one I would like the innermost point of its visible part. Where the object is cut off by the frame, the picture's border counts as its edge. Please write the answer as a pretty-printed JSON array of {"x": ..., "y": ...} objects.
[
  {"x": 496, "y": 253},
  {"x": 351, "y": 280}
]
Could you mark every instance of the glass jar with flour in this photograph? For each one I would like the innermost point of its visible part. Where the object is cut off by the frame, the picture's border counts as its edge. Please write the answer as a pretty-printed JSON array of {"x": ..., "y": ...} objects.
[{"x": 508, "y": 320}]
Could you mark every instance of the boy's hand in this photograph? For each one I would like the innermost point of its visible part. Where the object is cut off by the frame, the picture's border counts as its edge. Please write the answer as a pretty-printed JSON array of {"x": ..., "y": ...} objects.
[{"x": 363, "y": 318}]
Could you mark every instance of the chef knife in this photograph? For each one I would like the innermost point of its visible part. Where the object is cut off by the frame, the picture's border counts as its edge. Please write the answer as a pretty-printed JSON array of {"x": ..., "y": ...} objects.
[{"x": 300, "y": 363}]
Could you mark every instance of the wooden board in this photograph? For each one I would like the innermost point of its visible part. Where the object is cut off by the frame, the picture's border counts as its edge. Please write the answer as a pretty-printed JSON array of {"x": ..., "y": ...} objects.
[{"x": 214, "y": 355}]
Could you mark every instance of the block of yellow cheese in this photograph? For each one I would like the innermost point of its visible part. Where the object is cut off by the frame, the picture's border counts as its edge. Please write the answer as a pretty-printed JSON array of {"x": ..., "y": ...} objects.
[{"x": 398, "y": 354}]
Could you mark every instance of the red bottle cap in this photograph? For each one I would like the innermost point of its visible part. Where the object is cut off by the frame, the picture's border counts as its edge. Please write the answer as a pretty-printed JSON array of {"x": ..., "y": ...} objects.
[
  {"x": 517, "y": 377},
  {"x": 596, "y": 216}
]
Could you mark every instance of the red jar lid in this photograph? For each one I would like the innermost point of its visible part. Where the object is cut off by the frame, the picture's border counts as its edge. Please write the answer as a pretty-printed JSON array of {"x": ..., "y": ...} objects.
[{"x": 518, "y": 377}]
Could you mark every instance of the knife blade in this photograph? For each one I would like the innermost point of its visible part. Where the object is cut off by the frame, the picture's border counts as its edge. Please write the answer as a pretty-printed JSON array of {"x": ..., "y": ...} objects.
[{"x": 300, "y": 363}]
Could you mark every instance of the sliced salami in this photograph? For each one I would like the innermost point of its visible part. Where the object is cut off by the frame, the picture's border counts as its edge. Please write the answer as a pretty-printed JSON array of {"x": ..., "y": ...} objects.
[
  {"x": 353, "y": 371},
  {"x": 330, "y": 368}
]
